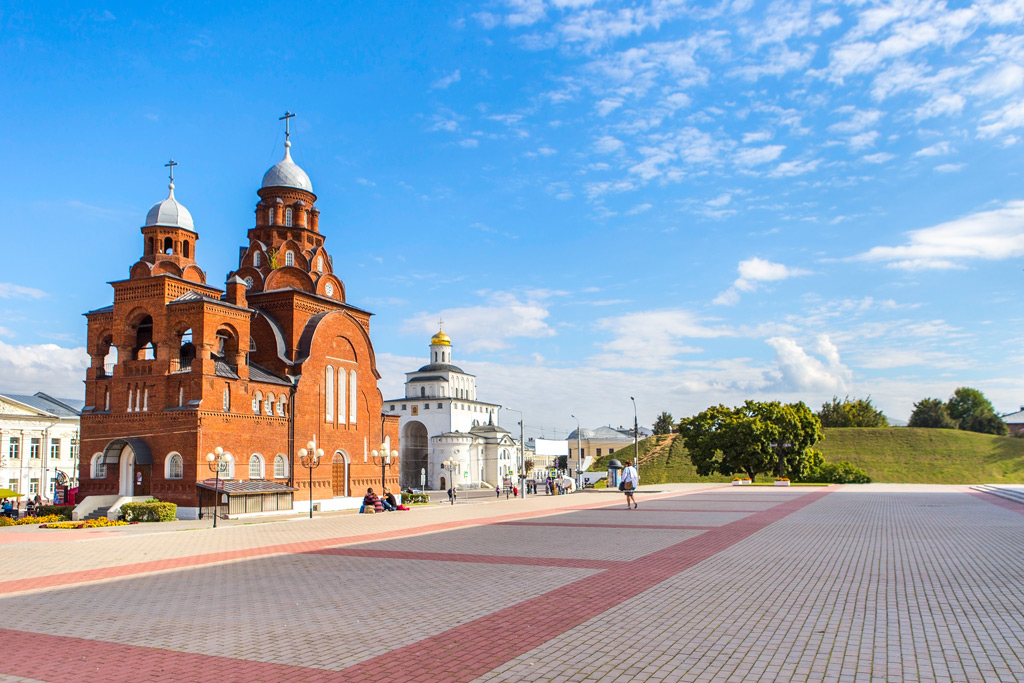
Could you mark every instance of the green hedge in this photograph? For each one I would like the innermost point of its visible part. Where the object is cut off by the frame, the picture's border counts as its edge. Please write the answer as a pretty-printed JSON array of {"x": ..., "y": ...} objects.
[
  {"x": 151, "y": 511},
  {"x": 62, "y": 511},
  {"x": 414, "y": 498}
]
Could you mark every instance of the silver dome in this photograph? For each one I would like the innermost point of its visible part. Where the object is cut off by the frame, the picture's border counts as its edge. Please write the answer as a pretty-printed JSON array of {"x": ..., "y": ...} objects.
[
  {"x": 286, "y": 173},
  {"x": 170, "y": 213}
]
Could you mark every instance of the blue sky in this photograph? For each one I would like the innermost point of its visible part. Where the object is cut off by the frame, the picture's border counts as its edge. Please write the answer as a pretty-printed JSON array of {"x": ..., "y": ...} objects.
[{"x": 689, "y": 203}]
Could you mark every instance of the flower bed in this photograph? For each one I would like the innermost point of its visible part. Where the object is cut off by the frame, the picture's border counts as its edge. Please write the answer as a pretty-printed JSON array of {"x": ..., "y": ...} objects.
[
  {"x": 86, "y": 524},
  {"x": 7, "y": 521}
]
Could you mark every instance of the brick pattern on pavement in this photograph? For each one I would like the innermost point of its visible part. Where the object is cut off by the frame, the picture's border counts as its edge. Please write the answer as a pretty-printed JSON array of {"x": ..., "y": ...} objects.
[{"x": 842, "y": 584}]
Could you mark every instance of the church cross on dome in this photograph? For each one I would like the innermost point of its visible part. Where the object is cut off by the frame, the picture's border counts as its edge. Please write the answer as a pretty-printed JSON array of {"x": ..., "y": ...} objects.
[
  {"x": 170, "y": 165},
  {"x": 287, "y": 118}
]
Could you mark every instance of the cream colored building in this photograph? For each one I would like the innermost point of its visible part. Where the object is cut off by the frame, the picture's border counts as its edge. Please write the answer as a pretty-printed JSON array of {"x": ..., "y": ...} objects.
[{"x": 38, "y": 443}]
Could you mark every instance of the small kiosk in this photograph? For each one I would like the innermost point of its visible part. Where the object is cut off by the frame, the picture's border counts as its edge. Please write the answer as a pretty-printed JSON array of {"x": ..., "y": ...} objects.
[{"x": 614, "y": 473}]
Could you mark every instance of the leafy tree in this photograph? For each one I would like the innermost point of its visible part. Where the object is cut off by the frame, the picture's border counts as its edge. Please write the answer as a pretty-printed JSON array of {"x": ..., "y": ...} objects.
[
  {"x": 932, "y": 413},
  {"x": 973, "y": 412},
  {"x": 856, "y": 413},
  {"x": 528, "y": 464},
  {"x": 753, "y": 438},
  {"x": 664, "y": 424}
]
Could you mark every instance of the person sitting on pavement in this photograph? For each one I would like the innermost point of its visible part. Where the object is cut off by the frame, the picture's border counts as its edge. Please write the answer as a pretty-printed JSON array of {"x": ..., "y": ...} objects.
[
  {"x": 371, "y": 501},
  {"x": 387, "y": 500}
]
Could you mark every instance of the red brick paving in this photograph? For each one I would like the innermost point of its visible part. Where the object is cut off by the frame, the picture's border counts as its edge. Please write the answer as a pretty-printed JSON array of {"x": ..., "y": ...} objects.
[
  {"x": 569, "y": 562},
  {"x": 583, "y": 525},
  {"x": 1004, "y": 503}
]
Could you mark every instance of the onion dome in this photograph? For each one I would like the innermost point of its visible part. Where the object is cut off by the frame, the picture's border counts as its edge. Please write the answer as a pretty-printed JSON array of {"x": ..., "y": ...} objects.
[
  {"x": 170, "y": 213},
  {"x": 441, "y": 338},
  {"x": 286, "y": 173}
]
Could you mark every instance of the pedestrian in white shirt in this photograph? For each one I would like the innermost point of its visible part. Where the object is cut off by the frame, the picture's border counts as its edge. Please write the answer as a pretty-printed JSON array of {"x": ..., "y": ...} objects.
[{"x": 630, "y": 480}]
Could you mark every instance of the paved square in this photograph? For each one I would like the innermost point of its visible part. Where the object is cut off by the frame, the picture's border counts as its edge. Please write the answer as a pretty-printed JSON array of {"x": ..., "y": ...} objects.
[{"x": 700, "y": 583}]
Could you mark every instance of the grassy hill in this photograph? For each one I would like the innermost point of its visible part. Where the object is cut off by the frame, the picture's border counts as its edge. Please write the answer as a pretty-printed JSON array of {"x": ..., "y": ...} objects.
[{"x": 897, "y": 455}]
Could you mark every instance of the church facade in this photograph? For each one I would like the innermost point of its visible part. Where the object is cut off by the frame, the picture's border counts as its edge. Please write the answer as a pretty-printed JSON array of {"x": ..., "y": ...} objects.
[
  {"x": 441, "y": 420},
  {"x": 279, "y": 358}
]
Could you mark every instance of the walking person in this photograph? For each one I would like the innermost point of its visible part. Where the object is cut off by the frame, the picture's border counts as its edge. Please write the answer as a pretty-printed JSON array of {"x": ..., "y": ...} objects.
[{"x": 630, "y": 480}]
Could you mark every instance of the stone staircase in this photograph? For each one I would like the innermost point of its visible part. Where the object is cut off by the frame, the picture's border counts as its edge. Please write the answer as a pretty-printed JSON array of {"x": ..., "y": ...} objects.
[
  {"x": 1014, "y": 493},
  {"x": 97, "y": 513}
]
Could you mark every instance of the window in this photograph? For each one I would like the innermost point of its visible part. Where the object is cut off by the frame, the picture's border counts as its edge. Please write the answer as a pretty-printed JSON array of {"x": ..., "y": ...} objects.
[
  {"x": 403, "y": 406},
  {"x": 257, "y": 400},
  {"x": 342, "y": 397},
  {"x": 353, "y": 396},
  {"x": 320, "y": 264},
  {"x": 14, "y": 449},
  {"x": 426, "y": 406},
  {"x": 33, "y": 486},
  {"x": 181, "y": 396},
  {"x": 168, "y": 245},
  {"x": 184, "y": 249},
  {"x": 106, "y": 400},
  {"x": 33, "y": 447},
  {"x": 256, "y": 260},
  {"x": 280, "y": 466},
  {"x": 423, "y": 391},
  {"x": 54, "y": 448},
  {"x": 392, "y": 407},
  {"x": 439, "y": 406},
  {"x": 74, "y": 449},
  {"x": 248, "y": 282},
  {"x": 280, "y": 405},
  {"x": 175, "y": 466},
  {"x": 130, "y": 394},
  {"x": 599, "y": 452},
  {"x": 288, "y": 217},
  {"x": 329, "y": 393},
  {"x": 268, "y": 405},
  {"x": 145, "y": 399},
  {"x": 226, "y": 400},
  {"x": 255, "y": 466},
  {"x": 99, "y": 468},
  {"x": 289, "y": 258},
  {"x": 270, "y": 217}
]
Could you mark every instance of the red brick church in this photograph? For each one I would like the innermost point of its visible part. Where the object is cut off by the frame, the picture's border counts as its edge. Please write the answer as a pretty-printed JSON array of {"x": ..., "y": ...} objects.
[{"x": 181, "y": 368}]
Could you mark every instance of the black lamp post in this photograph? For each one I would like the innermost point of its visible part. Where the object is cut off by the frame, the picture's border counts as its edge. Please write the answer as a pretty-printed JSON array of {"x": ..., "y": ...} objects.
[
  {"x": 310, "y": 458},
  {"x": 214, "y": 461},
  {"x": 384, "y": 458},
  {"x": 451, "y": 464},
  {"x": 636, "y": 436}
]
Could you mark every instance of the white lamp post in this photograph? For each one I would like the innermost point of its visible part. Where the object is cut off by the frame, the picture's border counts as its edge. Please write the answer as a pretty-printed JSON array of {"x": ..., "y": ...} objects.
[
  {"x": 214, "y": 461},
  {"x": 310, "y": 458},
  {"x": 384, "y": 458}
]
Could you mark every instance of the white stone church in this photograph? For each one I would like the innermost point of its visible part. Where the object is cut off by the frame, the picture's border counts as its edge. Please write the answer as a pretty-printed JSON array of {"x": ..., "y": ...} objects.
[{"x": 440, "y": 419}]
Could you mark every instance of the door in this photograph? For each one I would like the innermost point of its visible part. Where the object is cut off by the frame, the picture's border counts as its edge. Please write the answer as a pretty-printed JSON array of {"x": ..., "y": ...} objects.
[{"x": 339, "y": 474}]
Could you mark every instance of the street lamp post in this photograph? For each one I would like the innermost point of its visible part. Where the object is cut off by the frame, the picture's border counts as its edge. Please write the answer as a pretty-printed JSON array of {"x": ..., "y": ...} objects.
[
  {"x": 310, "y": 458},
  {"x": 384, "y": 458},
  {"x": 214, "y": 461},
  {"x": 451, "y": 464},
  {"x": 522, "y": 454},
  {"x": 636, "y": 436},
  {"x": 579, "y": 453}
]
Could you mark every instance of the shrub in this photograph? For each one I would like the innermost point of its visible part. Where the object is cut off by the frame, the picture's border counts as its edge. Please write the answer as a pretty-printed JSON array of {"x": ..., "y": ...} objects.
[
  {"x": 150, "y": 511},
  {"x": 842, "y": 472},
  {"x": 414, "y": 498},
  {"x": 62, "y": 511}
]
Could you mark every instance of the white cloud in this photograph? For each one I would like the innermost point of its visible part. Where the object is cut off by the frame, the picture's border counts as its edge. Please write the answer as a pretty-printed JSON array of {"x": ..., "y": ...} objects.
[
  {"x": 1008, "y": 118},
  {"x": 938, "y": 149},
  {"x": 754, "y": 156},
  {"x": 986, "y": 235},
  {"x": 12, "y": 291},
  {"x": 858, "y": 120},
  {"x": 607, "y": 144},
  {"x": 948, "y": 168},
  {"x": 752, "y": 274},
  {"x": 794, "y": 168},
  {"x": 651, "y": 339},
  {"x": 443, "y": 83},
  {"x": 469, "y": 143},
  {"x": 639, "y": 208},
  {"x": 608, "y": 105},
  {"x": 879, "y": 158},
  {"x": 43, "y": 367},
  {"x": 757, "y": 136},
  {"x": 489, "y": 327},
  {"x": 800, "y": 371}
]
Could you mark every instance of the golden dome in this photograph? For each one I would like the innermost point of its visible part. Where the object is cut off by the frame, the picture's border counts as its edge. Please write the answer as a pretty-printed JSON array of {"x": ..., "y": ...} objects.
[{"x": 440, "y": 338}]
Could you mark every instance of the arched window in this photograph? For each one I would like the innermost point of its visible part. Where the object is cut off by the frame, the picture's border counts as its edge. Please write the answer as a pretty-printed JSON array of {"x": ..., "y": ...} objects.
[
  {"x": 226, "y": 399},
  {"x": 130, "y": 395},
  {"x": 329, "y": 393},
  {"x": 145, "y": 399},
  {"x": 280, "y": 405},
  {"x": 270, "y": 216},
  {"x": 152, "y": 246},
  {"x": 106, "y": 399},
  {"x": 184, "y": 249},
  {"x": 256, "y": 466},
  {"x": 175, "y": 466},
  {"x": 181, "y": 395},
  {"x": 256, "y": 260},
  {"x": 423, "y": 391},
  {"x": 353, "y": 395},
  {"x": 168, "y": 245},
  {"x": 257, "y": 400},
  {"x": 288, "y": 217},
  {"x": 99, "y": 468},
  {"x": 268, "y": 405},
  {"x": 342, "y": 397},
  {"x": 320, "y": 264},
  {"x": 280, "y": 466},
  {"x": 289, "y": 258}
]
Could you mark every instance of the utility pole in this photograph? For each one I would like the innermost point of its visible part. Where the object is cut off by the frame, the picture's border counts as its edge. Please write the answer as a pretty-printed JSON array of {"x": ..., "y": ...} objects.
[{"x": 636, "y": 436}]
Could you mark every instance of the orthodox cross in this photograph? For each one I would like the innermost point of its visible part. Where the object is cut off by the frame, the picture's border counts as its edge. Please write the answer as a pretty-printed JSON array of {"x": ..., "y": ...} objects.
[
  {"x": 288, "y": 116},
  {"x": 170, "y": 165},
  {"x": 440, "y": 323}
]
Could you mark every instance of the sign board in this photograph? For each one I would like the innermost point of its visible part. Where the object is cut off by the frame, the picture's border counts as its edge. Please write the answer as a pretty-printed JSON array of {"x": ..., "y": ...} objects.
[
  {"x": 552, "y": 473},
  {"x": 548, "y": 447}
]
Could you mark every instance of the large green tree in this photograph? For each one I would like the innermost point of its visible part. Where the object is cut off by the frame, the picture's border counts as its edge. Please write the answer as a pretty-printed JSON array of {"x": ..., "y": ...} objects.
[
  {"x": 664, "y": 424},
  {"x": 932, "y": 413},
  {"x": 858, "y": 412},
  {"x": 973, "y": 412},
  {"x": 754, "y": 438}
]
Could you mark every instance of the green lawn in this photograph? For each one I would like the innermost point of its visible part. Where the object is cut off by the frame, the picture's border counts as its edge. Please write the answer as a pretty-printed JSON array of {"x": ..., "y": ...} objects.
[{"x": 897, "y": 455}]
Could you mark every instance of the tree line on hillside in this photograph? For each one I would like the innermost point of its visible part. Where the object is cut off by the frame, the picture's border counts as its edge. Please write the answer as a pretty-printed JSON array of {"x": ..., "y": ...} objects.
[{"x": 966, "y": 409}]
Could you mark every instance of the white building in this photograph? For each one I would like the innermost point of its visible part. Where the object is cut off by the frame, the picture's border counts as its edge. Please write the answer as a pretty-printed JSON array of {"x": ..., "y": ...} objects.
[
  {"x": 440, "y": 419},
  {"x": 38, "y": 443}
]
